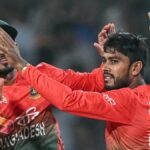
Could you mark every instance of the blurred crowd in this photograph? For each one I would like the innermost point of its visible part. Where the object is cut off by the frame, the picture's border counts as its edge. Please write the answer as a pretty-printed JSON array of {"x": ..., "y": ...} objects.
[{"x": 62, "y": 33}]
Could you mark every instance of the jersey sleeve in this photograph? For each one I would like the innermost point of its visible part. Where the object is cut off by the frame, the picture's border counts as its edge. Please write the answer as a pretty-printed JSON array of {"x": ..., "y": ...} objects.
[
  {"x": 92, "y": 81},
  {"x": 115, "y": 105}
]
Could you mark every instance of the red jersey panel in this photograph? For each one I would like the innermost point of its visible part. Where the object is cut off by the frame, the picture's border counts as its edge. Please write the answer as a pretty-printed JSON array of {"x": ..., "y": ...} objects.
[
  {"x": 92, "y": 81},
  {"x": 127, "y": 111}
]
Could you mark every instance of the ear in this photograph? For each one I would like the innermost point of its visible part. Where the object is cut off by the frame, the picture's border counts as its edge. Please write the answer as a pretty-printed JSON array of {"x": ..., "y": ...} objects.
[{"x": 136, "y": 68}]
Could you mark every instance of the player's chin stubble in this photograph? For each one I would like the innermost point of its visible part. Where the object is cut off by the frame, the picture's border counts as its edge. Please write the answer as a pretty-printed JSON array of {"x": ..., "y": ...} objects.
[{"x": 6, "y": 71}]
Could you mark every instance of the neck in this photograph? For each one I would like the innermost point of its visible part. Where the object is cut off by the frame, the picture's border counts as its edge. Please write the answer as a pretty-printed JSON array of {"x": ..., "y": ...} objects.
[{"x": 137, "y": 81}]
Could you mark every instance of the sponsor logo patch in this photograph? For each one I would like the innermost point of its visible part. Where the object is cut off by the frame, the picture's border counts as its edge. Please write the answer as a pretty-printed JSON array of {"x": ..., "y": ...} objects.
[{"x": 109, "y": 99}]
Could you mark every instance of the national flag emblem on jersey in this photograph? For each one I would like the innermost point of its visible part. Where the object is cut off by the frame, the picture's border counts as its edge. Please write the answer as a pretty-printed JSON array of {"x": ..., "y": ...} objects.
[{"x": 34, "y": 94}]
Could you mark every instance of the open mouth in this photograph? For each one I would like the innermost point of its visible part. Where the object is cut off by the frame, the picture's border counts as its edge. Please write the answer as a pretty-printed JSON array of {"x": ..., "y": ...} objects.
[{"x": 107, "y": 77}]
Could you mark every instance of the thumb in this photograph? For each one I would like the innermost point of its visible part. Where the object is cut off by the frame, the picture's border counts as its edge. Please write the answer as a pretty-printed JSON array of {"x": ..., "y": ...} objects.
[
  {"x": 1, "y": 87},
  {"x": 99, "y": 48},
  {"x": 112, "y": 29}
]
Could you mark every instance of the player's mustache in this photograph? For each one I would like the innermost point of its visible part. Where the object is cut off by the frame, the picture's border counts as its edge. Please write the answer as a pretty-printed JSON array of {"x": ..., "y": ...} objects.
[{"x": 106, "y": 73}]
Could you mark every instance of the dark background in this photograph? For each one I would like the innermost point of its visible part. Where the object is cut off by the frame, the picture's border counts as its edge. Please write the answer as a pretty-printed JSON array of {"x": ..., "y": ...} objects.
[{"x": 62, "y": 33}]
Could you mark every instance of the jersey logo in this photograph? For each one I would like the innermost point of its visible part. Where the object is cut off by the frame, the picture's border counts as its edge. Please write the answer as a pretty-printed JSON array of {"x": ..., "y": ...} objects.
[
  {"x": 30, "y": 115},
  {"x": 34, "y": 94},
  {"x": 109, "y": 99}
]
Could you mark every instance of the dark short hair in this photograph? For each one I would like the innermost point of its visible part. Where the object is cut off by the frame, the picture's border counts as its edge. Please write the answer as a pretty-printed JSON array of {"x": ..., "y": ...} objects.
[{"x": 130, "y": 45}]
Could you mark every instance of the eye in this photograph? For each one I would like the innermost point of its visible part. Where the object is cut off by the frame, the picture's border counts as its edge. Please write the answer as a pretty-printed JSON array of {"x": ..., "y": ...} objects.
[
  {"x": 114, "y": 61},
  {"x": 103, "y": 60}
]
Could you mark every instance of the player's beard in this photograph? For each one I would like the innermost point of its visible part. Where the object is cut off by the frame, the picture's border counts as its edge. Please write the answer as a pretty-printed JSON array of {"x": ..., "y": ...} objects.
[
  {"x": 119, "y": 83},
  {"x": 6, "y": 71}
]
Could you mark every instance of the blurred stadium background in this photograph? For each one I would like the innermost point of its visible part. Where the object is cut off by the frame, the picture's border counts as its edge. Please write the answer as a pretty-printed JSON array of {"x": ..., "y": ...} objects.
[{"x": 62, "y": 33}]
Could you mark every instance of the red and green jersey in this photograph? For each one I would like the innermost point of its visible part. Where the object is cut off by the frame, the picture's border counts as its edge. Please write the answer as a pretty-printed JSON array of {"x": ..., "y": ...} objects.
[
  {"x": 126, "y": 111},
  {"x": 26, "y": 120}
]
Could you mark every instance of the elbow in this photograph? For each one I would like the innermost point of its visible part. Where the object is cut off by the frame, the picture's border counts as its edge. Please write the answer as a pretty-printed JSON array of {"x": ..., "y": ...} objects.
[{"x": 64, "y": 105}]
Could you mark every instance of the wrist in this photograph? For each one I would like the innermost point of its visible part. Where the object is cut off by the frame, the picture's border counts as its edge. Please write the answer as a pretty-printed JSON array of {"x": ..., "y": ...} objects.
[{"x": 22, "y": 67}]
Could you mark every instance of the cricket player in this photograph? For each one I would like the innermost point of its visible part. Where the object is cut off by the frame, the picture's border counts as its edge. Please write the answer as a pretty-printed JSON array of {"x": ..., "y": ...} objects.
[
  {"x": 26, "y": 120},
  {"x": 125, "y": 101}
]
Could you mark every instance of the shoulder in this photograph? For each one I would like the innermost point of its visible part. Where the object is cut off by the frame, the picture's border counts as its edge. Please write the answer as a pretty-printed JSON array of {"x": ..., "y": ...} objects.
[{"x": 42, "y": 65}]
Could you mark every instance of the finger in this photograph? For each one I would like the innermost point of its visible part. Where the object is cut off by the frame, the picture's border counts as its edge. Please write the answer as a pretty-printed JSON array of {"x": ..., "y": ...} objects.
[
  {"x": 3, "y": 32},
  {"x": 3, "y": 41},
  {"x": 10, "y": 52},
  {"x": 6, "y": 37},
  {"x": 99, "y": 48},
  {"x": 3, "y": 49},
  {"x": 103, "y": 34},
  {"x": 96, "y": 45},
  {"x": 106, "y": 27},
  {"x": 102, "y": 37},
  {"x": 112, "y": 28},
  {"x": 106, "y": 31},
  {"x": 9, "y": 43}
]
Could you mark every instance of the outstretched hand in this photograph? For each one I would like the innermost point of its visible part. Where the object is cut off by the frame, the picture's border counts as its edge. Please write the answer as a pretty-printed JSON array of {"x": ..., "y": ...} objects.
[
  {"x": 102, "y": 36},
  {"x": 11, "y": 50}
]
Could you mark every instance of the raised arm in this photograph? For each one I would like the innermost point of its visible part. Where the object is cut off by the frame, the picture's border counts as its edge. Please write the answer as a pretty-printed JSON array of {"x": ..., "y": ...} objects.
[
  {"x": 92, "y": 81},
  {"x": 112, "y": 106}
]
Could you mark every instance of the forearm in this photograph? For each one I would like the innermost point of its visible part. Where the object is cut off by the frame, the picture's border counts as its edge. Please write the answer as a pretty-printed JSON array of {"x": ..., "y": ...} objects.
[{"x": 92, "y": 81}]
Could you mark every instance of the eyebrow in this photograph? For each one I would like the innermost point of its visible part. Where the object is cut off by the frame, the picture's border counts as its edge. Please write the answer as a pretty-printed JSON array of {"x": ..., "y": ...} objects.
[
  {"x": 111, "y": 57},
  {"x": 115, "y": 57}
]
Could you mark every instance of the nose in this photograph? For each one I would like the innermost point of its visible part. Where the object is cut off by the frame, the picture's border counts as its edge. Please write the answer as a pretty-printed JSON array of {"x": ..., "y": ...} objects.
[{"x": 106, "y": 67}]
